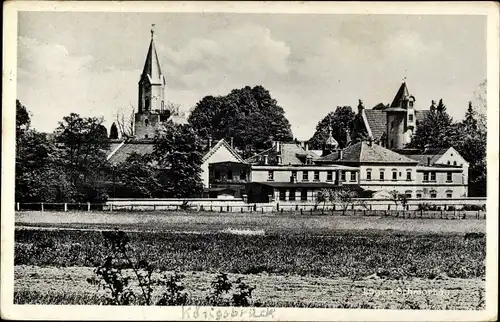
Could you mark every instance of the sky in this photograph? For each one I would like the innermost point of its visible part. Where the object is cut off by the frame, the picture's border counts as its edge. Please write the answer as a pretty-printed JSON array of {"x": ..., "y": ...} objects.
[{"x": 90, "y": 63}]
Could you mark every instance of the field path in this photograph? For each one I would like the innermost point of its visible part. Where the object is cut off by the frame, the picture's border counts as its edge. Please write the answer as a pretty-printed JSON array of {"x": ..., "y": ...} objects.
[{"x": 278, "y": 290}]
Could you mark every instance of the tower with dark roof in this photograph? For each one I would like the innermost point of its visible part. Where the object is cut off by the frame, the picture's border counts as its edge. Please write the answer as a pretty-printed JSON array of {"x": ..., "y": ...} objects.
[
  {"x": 400, "y": 119},
  {"x": 151, "y": 105}
]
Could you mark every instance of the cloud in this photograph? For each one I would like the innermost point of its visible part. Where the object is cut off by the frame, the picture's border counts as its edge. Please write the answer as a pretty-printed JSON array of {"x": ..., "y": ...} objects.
[
  {"x": 53, "y": 83},
  {"x": 247, "y": 54}
]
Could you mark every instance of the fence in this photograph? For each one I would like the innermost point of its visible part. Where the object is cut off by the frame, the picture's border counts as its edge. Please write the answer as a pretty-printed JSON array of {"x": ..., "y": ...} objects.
[{"x": 449, "y": 212}]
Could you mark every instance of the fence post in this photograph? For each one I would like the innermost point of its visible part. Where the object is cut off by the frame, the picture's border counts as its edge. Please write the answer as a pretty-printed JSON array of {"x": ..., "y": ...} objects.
[
  {"x": 154, "y": 207},
  {"x": 262, "y": 209},
  {"x": 241, "y": 209},
  {"x": 65, "y": 207},
  {"x": 441, "y": 216},
  {"x": 88, "y": 206},
  {"x": 42, "y": 206},
  {"x": 17, "y": 206},
  {"x": 364, "y": 212},
  {"x": 277, "y": 207},
  {"x": 111, "y": 207},
  {"x": 227, "y": 208},
  {"x": 301, "y": 211}
]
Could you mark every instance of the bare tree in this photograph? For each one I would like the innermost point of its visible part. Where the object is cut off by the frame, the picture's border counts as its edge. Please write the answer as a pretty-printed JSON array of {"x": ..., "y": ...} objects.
[{"x": 126, "y": 125}]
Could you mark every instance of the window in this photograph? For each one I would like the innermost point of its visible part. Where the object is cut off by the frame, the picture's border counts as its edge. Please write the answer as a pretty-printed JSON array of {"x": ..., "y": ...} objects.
[
  {"x": 309, "y": 160},
  {"x": 449, "y": 194},
  {"x": 368, "y": 174},
  {"x": 454, "y": 162},
  {"x": 282, "y": 194},
  {"x": 353, "y": 176},
  {"x": 305, "y": 176},
  {"x": 342, "y": 175},
  {"x": 329, "y": 175},
  {"x": 229, "y": 175},
  {"x": 146, "y": 122},
  {"x": 433, "y": 194},
  {"x": 243, "y": 176},
  {"x": 303, "y": 194},
  {"x": 294, "y": 175},
  {"x": 408, "y": 194},
  {"x": 392, "y": 125},
  {"x": 449, "y": 177},
  {"x": 426, "y": 176},
  {"x": 408, "y": 175},
  {"x": 394, "y": 175},
  {"x": 410, "y": 117},
  {"x": 292, "y": 194},
  {"x": 382, "y": 175},
  {"x": 433, "y": 176},
  {"x": 419, "y": 194},
  {"x": 270, "y": 175},
  {"x": 448, "y": 162},
  {"x": 217, "y": 175},
  {"x": 316, "y": 175}
]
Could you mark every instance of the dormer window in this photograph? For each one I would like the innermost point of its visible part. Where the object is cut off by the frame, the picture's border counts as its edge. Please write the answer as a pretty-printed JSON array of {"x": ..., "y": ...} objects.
[
  {"x": 410, "y": 117},
  {"x": 146, "y": 122}
]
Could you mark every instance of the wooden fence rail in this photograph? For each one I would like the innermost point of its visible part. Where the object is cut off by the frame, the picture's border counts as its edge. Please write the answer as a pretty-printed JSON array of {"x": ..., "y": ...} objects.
[{"x": 254, "y": 208}]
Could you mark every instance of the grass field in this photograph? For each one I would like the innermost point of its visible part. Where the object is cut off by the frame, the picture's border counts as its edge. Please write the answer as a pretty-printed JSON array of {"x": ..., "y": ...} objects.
[
  {"x": 269, "y": 223},
  {"x": 317, "y": 261}
]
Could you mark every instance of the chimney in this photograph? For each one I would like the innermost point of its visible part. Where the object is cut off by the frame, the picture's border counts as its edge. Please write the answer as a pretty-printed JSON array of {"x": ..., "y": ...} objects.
[
  {"x": 265, "y": 159},
  {"x": 209, "y": 142},
  {"x": 279, "y": 159},
  {"x": 231, "y": 140},
  {"x": 370, "y": 141},
  {"x": 341, "y": 154},
  {"x": 277, "y": 145},
  {"x": 306, "y": 145},
  {"x": 429, "y": 161}
]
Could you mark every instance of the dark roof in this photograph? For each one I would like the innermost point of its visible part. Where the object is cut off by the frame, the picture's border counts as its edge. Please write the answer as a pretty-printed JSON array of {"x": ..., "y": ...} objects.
[
  {"x": 377, "y": 122},
  {"x": 400, "y": 95},
  {"x": 433, "y": 155},
  {"x": 362, "y": 152},
  {"x": 421, "y": 115},
  {"x": 379, "y": 107},
  {"x": 152, "y": 64},
  {"x": 291, "y": 154},
  {"x": 121, "y": 153}
]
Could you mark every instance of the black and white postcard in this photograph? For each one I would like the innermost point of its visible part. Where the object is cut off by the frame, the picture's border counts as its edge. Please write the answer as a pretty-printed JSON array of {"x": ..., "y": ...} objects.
[{"x": 250, "y": 161}]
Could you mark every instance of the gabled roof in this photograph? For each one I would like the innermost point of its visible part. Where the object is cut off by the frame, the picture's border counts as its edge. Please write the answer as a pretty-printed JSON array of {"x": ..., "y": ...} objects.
[
  {"x": 400, "y": 95},
  {"x": 423, "y": 158},
  {"x": 123, "y": 151},
  {"x": 217, "y": 146},
  {"x": 377, "y": 121},
  {"x": 291, "y": 154},
  {"x": 152, "y": 67},
  {"x": 362, "y": 152}
]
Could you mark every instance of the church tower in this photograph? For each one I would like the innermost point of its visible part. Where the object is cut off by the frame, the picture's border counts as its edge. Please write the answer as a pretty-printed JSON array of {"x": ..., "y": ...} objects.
[
  {"x": 151, "y": 105},
  {"x": 400, "y": 119}
]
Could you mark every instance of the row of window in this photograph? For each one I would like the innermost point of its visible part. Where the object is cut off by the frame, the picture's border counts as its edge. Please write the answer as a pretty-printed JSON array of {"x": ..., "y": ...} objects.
[
  {"x": 431, "y": 176},
  {"x": 432, "y": 194},
  {"x": 316, "y": 175},
  {"x": 394, "y": 174}
]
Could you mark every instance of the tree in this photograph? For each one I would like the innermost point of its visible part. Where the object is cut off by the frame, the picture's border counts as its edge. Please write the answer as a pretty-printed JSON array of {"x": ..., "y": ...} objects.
[
  {"x": 126, "y": 125},
  {"x": 83, "y": 149},
  {"x": 38, "y": 175},
  {"x": 249, "y": 115},
  {"x": 437, "y": 129},
  {"x": 397, "y": 198},
  {"x": 345, "y": 197},
  {"x": 113, "y": 132},
  {"x": 479, "y": 104},
  {"x": 137, "y": 176},
  {"x": 338, "y": 121},
  {"x": 22, "y": 119},
  {"x": 178, "y": 155},
  {"x": 472, "y": 147}
]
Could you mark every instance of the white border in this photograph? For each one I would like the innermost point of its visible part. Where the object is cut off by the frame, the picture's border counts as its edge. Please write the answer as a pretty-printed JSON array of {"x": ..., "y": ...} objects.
[{"x": 10, "y": 311}]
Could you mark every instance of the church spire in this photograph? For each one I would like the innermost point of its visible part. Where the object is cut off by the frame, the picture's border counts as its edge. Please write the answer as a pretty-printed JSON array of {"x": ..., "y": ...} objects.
[{"x": 152, "y": 68}]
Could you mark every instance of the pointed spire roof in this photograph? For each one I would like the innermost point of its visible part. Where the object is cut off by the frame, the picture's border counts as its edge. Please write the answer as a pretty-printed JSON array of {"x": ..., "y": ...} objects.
[
  {"x": 152, "y": 65},
  {"x": 400, "y": 95},
  {"x": 330, "y": 141}
]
